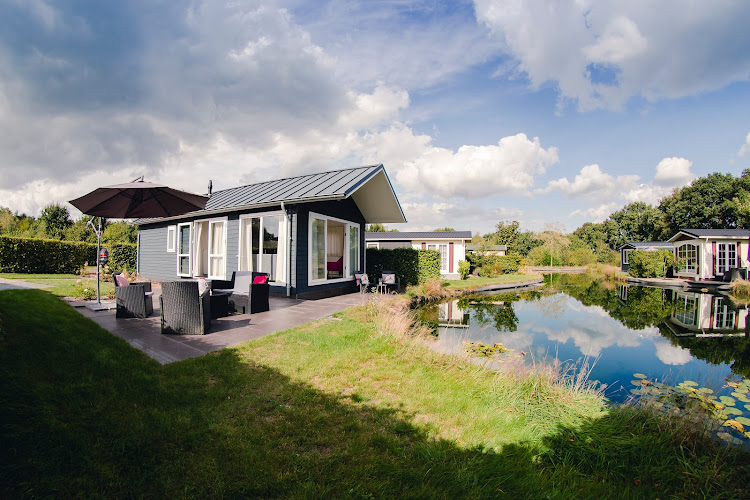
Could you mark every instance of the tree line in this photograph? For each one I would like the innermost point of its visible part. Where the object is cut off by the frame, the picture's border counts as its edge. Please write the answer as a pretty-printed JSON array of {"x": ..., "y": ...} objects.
[{"x": 54, "y": 223}]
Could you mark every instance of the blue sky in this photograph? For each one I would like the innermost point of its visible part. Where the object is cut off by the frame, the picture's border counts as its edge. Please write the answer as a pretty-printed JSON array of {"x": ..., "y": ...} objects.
[{"x": 549, "y": 112}]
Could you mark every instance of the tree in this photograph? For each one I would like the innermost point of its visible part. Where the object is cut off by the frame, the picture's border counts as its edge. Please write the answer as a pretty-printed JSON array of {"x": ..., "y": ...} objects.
[
  {"x": 637, "y": 221},
  {"x": 55, "y": 220},
  {"x": 120, "y": 232},
  {"x": 524, "y": 242},
  {"x": 81, "y": 231},
  {"x": 445, "y": 229},
  {"x": 710, "y": 202},
  {"x": 379, "y": 228},
  {"x": 505, "y": 233}
]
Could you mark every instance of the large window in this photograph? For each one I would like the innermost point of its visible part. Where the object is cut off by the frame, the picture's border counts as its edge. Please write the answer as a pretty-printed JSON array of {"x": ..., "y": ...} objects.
[
  {"x": 688, "y": 255},
  {"x": 726, "y": 258},
  {"x": 263, "y": 245},
  {"x": 626, "y": 256},
  {"x": 443, "y": 249},
  {"x": 217, "y": 249},
  {"x": 183, "y": 249},
  {"x": 684, "y": 310},
  {"x": 334, "y": 249}
]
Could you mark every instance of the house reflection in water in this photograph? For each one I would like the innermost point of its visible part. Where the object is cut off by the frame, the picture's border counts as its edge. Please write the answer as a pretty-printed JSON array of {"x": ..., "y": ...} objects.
[
  {"x": 706, "y": 315},
  {"x": 451, "y": 315}
]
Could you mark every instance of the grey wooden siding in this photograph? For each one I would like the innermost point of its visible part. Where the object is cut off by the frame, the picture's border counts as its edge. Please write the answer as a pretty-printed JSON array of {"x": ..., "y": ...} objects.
[
  {"x": 157, "y": 264},
  {"x": 154, "y": 262}
]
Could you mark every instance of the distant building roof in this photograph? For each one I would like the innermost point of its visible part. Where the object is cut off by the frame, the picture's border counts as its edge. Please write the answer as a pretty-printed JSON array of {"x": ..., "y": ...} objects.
[
  {"x": 369, "y": 186},
  {"x": 491, "y": 248},
  {"x": 423, "y": 235},
  {"x": 712, "y": 233},
  {"x": 647, "y": 244}
]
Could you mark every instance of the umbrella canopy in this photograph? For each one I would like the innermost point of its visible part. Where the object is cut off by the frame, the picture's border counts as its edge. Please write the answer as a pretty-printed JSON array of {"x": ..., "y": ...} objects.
[{"x": 138, "y": 199}]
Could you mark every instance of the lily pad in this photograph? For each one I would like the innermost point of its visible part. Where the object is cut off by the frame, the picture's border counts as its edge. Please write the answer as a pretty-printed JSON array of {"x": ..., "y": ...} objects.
[
  {"x": 726, "y": 400},
  {"x": 689, "y": 383},
  {"x": 743, "y": 420},
  {"x": 639, "y": 375}
]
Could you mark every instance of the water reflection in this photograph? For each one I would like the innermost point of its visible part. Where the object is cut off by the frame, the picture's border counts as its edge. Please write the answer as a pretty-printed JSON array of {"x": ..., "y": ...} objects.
[{"x": 670, "y": 335}]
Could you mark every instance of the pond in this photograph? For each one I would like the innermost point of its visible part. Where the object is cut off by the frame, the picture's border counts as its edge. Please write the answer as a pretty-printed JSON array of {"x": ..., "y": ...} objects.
[{"x": 668, "y": 335}]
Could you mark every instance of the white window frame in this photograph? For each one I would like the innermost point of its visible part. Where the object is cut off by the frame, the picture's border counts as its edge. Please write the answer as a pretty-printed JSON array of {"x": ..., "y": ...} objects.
[
  {"x": 171, "y": 239},
  {"x": 687, "y": 269},
  {"x": 724, "y": 317},
  {"x": 180, "y": 254},
  {"x": 349, "y": 268},
  {"x": 685, "y": 314},
  {"x": 437, "y": 246},
  {"x": 723, "y": 260},
  {"x": 347, "y": 275},
  {"x": 626, "y": 256},
  {"x": 260, "y": 215},
  {"x": 211, "y": 222},
  {"x": 372, "y": 244}
]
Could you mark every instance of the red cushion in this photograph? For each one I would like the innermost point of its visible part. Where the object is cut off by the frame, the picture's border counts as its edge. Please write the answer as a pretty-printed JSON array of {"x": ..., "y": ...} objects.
[{"x": 261, "y": 280}]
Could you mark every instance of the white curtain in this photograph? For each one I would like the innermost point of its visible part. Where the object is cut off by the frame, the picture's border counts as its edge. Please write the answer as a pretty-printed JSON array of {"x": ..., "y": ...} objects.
[
  {"x": 282, "y": 256},
  {"x": 247, "y": 263},
  {"x": 217, "y": 250},
  {"x": 335, "y": 242},
  {"x": 198, "y": 257}
]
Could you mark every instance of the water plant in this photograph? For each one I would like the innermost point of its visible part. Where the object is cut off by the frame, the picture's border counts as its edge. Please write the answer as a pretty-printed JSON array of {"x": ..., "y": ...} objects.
[{"x": 718, "y": 415}]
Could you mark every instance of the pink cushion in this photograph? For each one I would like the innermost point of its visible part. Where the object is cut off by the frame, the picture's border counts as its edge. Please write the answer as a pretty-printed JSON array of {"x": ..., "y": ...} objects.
[
  {"x": 260, "y": 280},
  {"x": 121, "y": 280}
]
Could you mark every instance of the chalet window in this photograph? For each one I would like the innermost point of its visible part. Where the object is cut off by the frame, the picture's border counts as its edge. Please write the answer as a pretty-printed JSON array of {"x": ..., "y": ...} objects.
[
  {"x": 626, "y": 256},
  {"x": 443, "y": 249},
  {"x": 171, "y": 236},
  {"x": 726, "y": 258},
  {"x": 724, "y": 317},
  {"x": 263, "y": 245},
  {"x": 685, "y": 309},
  {"x": 183, "y": 249},
  {"x": 334, "y": 249},
  {"x": 689, "y": 254}
]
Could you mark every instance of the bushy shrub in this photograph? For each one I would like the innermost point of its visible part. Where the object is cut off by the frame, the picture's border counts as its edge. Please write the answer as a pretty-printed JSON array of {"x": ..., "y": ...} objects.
[
  {"x": 30, "y": 255},
  {"x": 121, "y": 256},
  {"x": 410, "y": 265},
  {"x": 464, "y": 268},
  {"x": 645, "y": 264},
  {"x": 495, "y": 265}
]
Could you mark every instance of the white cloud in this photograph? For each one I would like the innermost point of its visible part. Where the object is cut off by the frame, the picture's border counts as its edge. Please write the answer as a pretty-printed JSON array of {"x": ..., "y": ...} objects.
[
  {"x": 509, "y": 167},
  {"x": 745, "y": 147},
  {"x": 601, "y": 53},
  {"x": 673, "y": 172},
  {"x": 596, "y": 214},
  {"x": 591, "y": 181}
]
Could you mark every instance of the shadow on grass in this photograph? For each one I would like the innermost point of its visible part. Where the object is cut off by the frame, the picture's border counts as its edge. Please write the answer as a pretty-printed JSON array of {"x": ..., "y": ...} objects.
[{"x": 83, "y": 414}]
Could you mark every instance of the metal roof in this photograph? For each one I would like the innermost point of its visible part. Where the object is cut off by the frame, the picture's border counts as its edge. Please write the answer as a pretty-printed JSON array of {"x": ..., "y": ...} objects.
[
  {"x": 311, "y": 187},
  {"x": 647, "y": 244},
  {"x": 712, "y": 233},
  {"x": 332, "y": 185},
  {"x": 424, "y": 235}
]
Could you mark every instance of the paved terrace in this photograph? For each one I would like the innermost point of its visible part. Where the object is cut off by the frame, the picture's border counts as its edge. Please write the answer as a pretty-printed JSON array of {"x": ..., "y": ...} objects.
[{"x": 145, "y": 334}]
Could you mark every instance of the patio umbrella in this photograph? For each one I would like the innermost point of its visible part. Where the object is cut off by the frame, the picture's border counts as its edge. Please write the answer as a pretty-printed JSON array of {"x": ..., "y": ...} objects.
[{"x": 137, "y": 199}]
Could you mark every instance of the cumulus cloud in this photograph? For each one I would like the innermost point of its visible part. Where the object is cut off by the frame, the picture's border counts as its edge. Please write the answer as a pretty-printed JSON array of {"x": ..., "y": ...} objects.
[
  {"x": 671, "y": 172},
  {"x": 745, "y": 147},
  {"x": 591, "y": 181},
  {"x": 598, "y": 213},
  {"x": 479, "y": 171},
  {"x": 601, "y": 53}
]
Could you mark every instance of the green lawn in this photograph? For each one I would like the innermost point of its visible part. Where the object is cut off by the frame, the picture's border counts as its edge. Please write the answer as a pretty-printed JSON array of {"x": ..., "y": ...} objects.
[
  {"x": 480, "y": 281},
  {"x": 66, "y": 285},
  {"x": 335, "y": 409}
]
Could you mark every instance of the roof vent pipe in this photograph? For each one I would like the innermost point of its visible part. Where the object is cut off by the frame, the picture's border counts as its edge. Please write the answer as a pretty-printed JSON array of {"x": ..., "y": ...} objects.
[{"x": 210, "y": 186}]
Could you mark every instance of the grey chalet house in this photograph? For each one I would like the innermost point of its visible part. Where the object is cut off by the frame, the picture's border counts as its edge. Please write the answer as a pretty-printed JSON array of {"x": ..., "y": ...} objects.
[{"x": 306, "y": 232}]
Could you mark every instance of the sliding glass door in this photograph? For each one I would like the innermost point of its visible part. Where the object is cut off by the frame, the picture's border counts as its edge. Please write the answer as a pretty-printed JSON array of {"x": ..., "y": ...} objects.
[
  {"x": 334, "y": 249},
  {"x": 263, "y": 245}
]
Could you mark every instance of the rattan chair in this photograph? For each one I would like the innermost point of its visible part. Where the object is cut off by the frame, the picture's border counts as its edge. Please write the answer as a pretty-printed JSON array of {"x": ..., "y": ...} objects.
[
  {"x": 245, "y": 296},
  {"x": 134, "y": 300},
  {"x": 183, "y": 309}
]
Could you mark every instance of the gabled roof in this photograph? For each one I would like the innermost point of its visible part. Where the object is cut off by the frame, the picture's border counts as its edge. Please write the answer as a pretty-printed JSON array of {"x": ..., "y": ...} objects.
[
  {"x": 647, "y": 244},
  {"x": 368, "y": 186},
  {"x": 424, "y": 235},
  {"x": 711, "y": 233}
]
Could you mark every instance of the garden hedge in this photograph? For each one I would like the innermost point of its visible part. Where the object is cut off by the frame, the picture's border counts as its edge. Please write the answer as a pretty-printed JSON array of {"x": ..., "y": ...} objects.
[
  {"x": 31, "y": 255},
  {"x": 122, "y": 256},
  {"x": 411, "y": 266},
  {"x": 493, "y": 265},
  {"x": 645, "y": 264}
]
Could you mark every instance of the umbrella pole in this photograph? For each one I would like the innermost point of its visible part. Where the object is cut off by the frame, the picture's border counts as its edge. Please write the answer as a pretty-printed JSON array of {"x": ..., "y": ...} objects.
[{"x": 98, "y": 250}]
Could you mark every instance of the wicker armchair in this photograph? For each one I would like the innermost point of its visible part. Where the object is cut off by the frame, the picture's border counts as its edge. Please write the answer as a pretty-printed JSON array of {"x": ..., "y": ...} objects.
[
  {"x": 245, "y": 296},
  {"x": 183, "y": 309},
  {"x": 134, "y": 300}
]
